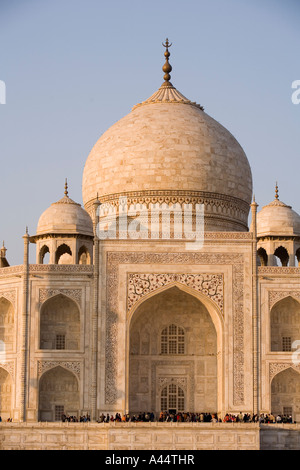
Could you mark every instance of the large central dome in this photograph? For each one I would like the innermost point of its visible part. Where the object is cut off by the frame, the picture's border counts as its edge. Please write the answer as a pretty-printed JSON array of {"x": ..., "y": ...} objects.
[{"x": 167, "y": 149}]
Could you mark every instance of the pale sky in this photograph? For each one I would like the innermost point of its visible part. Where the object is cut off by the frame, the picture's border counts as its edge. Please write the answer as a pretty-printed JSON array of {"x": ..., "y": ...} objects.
[{"x": 74, "y": 67}]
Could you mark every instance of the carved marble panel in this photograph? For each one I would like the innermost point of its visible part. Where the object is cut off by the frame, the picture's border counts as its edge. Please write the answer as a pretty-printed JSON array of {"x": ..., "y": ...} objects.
[
  {"x": 141, "y": 284},
  {"x": 10, "y": 295},
  {"x": 73, "y": 366},
  {"x": 45, "y": 294},
  {"x": 275, "y": 296}
]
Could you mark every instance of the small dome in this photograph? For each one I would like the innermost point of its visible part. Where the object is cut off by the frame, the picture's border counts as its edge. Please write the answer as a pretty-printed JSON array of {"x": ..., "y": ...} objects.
[
  {"x": 278, "y": 219},
  {"x": 65, "y": 216}
]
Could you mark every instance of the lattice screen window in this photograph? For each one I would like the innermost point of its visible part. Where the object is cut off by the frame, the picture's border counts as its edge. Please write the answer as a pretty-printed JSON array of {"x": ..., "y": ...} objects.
[
  {"x": 287, "y": 410},
  {"x": 286, "y": 343},
  {"x": 59, "y": 411},
  {"x": 172, "y": 398},
  {"x": 172, "y": 340},
  {"x": 60, "y": 342}
]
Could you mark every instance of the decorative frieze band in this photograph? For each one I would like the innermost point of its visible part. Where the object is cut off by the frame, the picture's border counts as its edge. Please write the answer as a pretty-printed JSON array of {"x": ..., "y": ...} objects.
[
  {"x": 279, "y": 270},
  {"x": 141, "y": 284}
]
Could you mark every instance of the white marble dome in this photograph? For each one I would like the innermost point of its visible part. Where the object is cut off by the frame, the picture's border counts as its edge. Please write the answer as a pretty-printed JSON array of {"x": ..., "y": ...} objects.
[
  {"x": 278, "y": 219},
  {"x": 168, "y": 146},
  {"x": 65, "y": 217}
]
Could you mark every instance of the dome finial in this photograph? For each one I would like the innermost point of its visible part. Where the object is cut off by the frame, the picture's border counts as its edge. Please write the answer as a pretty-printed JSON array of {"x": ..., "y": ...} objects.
[
  {"x": 276, "y": 191},
  {"x": 167, "y": 68},
  {"x": 66, "y": 187}
]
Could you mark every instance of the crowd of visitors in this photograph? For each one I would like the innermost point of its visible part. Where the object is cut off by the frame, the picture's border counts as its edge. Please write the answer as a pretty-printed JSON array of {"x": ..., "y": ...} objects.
[
  {"x": 75, "y": 419},
  {"x": 188, "y": 417},
  {"x": 164, "y": 416}
]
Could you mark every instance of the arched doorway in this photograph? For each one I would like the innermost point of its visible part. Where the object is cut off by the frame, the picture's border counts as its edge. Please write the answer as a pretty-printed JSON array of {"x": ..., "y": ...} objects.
[
  {"x": 58, "y": 395},
  {"x": 285, "y": 394},
  {"x": 173, "y": 352},
  {"x": 60, "y": 324},
  {"x": 5, "y": 395}
]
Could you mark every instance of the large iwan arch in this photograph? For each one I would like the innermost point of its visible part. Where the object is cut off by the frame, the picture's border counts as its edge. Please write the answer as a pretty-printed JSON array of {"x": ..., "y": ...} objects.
[{"x": 193, "y": 364}]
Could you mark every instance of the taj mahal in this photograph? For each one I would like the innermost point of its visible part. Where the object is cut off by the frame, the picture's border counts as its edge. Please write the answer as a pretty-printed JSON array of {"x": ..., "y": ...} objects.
[{"x": 108, "y": 322}]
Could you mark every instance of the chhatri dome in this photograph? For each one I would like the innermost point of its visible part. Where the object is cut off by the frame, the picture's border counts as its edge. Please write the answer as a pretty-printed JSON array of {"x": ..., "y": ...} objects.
[
  {"x": 278, "y": 219},
  {"x": 167, "y": 149},
  {"x": 65, "y": 217}
]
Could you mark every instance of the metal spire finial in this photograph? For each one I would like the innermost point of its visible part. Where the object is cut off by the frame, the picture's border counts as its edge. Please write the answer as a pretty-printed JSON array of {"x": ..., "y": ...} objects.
[
  {"x": 167, "y": 68},
  {"x": 276, "y": 191},
  {"x": 66, "y": 188}
]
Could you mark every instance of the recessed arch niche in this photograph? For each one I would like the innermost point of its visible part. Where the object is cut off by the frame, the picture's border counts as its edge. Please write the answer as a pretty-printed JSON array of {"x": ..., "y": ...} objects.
[
  {"x": 284, "y": 324},
  {"x": 285, "y": 393},
  {"x": 58, "y": 394},
  {"x": 7, "y": 325},
  {"x": 5, "y": 394},
  {"x": 60, "y": 323},
  {"x": 197, "y": 363}
]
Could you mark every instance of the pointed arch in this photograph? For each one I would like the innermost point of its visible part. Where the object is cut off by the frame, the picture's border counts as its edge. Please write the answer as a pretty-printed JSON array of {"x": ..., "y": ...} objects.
[
  {"x": 284, "y": 324},
  {"x": 282, "y": 254},
  {"x": 211, "y": 305},
  {"x": 84, "y": 256},
  {"x": 58, "y": 394},
  {"x": 192, "y": 312},
  {"x": 63, "y": 254},
  {"x": 7, "y": 325},
  {"x": 44, "y": 254},
  {"x": 60, "y": 323},
  {"x": 263, "y": 257},
  {"x": 285, "y": 393}
]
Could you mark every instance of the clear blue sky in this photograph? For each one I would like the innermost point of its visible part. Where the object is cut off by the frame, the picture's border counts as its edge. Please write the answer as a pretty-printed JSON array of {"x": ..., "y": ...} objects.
[{"x": 74, "y": 67}]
